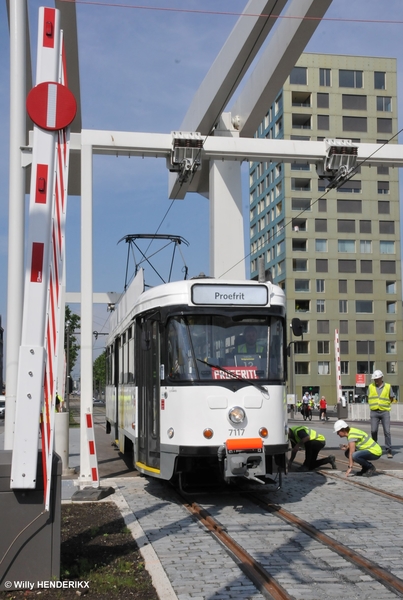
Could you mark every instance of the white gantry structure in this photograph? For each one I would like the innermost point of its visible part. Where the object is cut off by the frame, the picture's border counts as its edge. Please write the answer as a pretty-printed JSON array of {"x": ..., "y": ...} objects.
[{"x": 203, "y": 155}]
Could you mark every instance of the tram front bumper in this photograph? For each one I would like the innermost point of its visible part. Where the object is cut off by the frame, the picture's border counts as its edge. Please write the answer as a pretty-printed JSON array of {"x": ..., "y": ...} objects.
[{"x": 243, "y": 458}]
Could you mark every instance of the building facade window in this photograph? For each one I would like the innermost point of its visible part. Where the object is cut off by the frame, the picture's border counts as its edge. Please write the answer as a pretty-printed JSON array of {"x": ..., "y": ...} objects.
[
  {"x": 344, "y": 367},
  {"x": 391, "y": 287},
  {"x": 390, "y": 326},
  {"x": 356, "y": 124},
  {"x": 322, "y": 326},
  {"x": 323, "y": 367},
  {"x": 302, "y": 285},
  {"x": 342, "y": 286},
  {"x": 323, "y": 122},
  {"x": 301, "y": 368},
  {"x": 322, "y": 100},
  {"x": 365, "y": 246},
  {"x": 320, "y": 225},
  {"x": 345, "y": 226},
  {"x": 379, "y": 80},
  {"x": 347, "y": 266},
  {"x": 365, "y": 347},
  {"x": 321, "y": 245},
  {"x": 299, "y": 76},
  {"x": 343, "y": 306},
  {"x": 302, "y": 305},
  {"x": 363, "y": 306},
  {"x": 366, "y": 266},
  {"x": 344, "y": 346},
  {"x": 391, "y": 308},
  {"x": 390, "y": 347},
  {"x": 391, "y": 367},
  {"x": 388, "y": 267},
  {"x": 387, "y": 247},
  {"x": 354, "y": 102},
  {"x": 301, "y": 204},
  {"x": 301, "y": 348},
  {"x": 383, "y": 187},
  {"x": 383, "y": 207},
  {"x": 384, "y": 125},
  {"x": 325, "y": 77},
  {"x": 322, "y": 265},
  {"x": 320, "y": 306},
  {"x": 346, "y": 245},
  {"x": 364, "y": 327},
  {"x": 323, "y": 347},
  {"x": 320, "y": 286},
  {"x": 350, "y": 78},
  {"x": 384, "y": 103},
  {"x": 365, "y": 226},
  {"x": 299, "y": 264},
  {"x": 387, "y": 227},
  {"x": 364, "y": 367},
  {"x": 364, "y": 286}
]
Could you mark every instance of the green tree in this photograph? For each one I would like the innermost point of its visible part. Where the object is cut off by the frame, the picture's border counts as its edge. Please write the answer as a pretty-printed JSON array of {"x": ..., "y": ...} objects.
[
  {"x": 99, "y": 372},
  {"x": 72, "y": 324}
]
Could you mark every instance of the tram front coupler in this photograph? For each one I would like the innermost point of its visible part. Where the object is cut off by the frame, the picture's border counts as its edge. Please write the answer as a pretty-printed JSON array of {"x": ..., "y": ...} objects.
[{"x": 243, "y": 458}]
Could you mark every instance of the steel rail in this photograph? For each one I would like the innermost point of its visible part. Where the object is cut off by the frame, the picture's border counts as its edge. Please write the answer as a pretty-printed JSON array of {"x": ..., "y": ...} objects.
[
  {"x": 393, "y": 583},
  {"x": 261, "y": 578},
  {"x": 352, "y": 481}
]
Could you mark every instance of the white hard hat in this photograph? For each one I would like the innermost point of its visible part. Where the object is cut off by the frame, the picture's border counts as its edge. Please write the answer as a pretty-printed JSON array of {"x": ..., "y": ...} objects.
[
  {"x": 340, "y": 424},
  {"x": 377, "y": 374}
]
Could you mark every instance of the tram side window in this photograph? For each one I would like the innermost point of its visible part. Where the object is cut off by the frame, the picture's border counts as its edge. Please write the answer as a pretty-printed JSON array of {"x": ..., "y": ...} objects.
[
  {"x": 130, "y": 377},
  {"x": 125, "y": 358},
  {"x": 121, "y": 359},
  {"x": 109, "y": 365},
  {"x": 276, "y": 354}
]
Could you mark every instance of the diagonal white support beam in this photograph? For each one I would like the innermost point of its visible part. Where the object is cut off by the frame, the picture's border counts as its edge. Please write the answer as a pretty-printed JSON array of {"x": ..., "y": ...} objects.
[
  {"x": 223, "y": 79},
  {"x": 286, "y": 44},
  {"x": 231, "y": 64},
  {"x": 282, "y": 52}
]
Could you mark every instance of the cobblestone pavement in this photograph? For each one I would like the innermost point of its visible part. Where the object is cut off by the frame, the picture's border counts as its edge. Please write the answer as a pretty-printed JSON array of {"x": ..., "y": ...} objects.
[{"x": 198, "y": 569}]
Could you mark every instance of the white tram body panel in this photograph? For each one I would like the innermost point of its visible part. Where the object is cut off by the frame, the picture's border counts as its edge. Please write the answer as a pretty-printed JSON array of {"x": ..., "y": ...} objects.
[{"x": 196, "y": 379}]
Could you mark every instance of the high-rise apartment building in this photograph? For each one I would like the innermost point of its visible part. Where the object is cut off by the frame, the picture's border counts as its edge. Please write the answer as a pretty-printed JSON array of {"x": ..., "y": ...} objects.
[{"x": 335, "y": 253}]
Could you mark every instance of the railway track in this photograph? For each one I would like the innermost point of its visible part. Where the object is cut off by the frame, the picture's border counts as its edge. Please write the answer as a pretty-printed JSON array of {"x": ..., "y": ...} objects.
[{"x": 281, "y": 552}]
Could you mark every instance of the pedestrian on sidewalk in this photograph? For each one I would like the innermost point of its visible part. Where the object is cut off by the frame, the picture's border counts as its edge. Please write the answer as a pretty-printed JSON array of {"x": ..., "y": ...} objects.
[
  {"x": 322, "y": 409},
  {"x": 360, "y": 448},
  {"x": 302, "y": 437},
  {"x": 380, "y": 397}
]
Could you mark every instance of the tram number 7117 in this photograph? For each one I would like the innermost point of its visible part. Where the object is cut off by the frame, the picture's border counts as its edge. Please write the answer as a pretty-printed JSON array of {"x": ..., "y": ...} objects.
[{"x": 236, "y": 432}]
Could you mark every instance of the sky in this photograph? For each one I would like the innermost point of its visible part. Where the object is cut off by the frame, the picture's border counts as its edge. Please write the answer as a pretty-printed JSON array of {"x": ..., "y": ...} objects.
[{"x": 139, "y": 70}]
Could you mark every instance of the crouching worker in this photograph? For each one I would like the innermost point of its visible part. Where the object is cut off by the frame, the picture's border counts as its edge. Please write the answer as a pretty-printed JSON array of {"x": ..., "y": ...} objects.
[
  {"x": 313, "y": 442},
  {"x": 360, "y": 448}
]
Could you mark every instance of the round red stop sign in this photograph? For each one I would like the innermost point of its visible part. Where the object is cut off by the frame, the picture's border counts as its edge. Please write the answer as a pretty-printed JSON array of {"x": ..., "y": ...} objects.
[{"x": 51, "y": 105}]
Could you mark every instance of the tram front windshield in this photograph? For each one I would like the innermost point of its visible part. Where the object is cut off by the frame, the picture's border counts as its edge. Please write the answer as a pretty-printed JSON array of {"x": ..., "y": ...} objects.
[{"x": 216, "y": 348}]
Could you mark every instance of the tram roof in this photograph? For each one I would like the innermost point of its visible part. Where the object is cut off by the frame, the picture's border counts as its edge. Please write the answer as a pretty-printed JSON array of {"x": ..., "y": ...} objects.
[{"x": 179, "y": 293}]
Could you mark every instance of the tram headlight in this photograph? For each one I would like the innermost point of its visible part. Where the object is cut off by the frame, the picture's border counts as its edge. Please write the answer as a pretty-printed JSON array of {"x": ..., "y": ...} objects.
[
  {"x": 170, "y": 433},
  {"x": 237, "y": 415},
  {"x": 263, "y": 432}
]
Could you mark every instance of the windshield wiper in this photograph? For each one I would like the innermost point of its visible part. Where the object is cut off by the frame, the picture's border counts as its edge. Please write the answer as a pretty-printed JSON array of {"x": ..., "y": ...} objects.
[{"x": 235, "y": 375}]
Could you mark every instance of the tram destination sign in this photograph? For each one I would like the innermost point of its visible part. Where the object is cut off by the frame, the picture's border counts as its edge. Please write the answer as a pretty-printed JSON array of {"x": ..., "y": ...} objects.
[{"x": 230, "y": 295}]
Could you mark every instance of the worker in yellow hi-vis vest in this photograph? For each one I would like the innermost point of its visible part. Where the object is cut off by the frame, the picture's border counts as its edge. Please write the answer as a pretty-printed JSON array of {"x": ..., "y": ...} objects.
[
  {"x": 304, "y": 437},
  {"x": 380, "y": 397}
]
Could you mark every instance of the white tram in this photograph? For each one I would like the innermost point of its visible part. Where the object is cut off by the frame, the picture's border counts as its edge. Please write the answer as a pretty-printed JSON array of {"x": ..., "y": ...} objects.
[{"x": 188, "y": 390}]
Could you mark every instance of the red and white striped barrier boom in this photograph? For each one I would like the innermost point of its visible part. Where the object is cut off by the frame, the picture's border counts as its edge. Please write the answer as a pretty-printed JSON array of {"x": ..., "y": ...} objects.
[
  {"x": 92, "y": 449},
  {"x": 338, "y": 366},
  {"x": 52, "y": 108}
]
